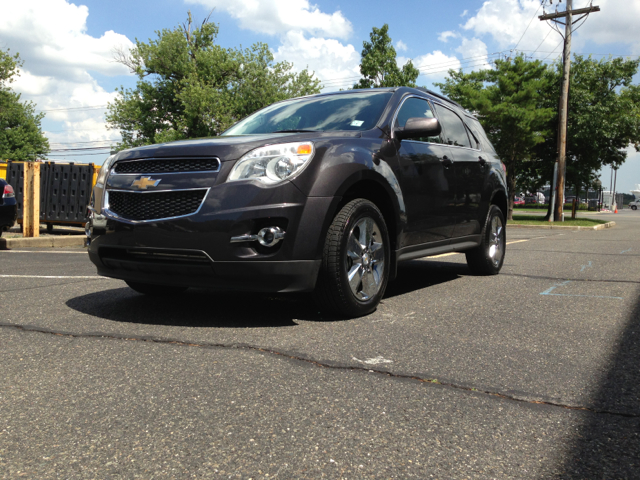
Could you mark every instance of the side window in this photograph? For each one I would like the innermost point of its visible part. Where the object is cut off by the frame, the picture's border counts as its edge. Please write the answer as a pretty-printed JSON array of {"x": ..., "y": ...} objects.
[
  {"x": 477, "y": 129},
  {"x": 475, "y": 140},
  {"x": 414, "y": 107},
  {"x": 454, "y": 130}
]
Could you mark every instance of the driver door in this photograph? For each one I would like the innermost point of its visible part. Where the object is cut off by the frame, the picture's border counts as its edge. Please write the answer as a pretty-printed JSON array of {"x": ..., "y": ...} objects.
[{"x": 427, "y": 179}]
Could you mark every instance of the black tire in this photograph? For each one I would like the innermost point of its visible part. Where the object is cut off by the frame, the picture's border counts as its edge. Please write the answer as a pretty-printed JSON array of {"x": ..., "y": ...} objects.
[
  {"x": 488, "y": 257},
  {"x": 350, "y": 250},
  {"x": 633, "y": 207},
  {"x": 49, "y": 228},
  {"x": 155, "y": 290}
]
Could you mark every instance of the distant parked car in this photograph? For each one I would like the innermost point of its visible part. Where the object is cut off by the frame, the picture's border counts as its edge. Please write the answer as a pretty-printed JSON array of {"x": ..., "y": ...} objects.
[
  {"x": 518, "y": 201},
  {"x": 8, "y": 206},
  {"x": 530, "y": 200}
]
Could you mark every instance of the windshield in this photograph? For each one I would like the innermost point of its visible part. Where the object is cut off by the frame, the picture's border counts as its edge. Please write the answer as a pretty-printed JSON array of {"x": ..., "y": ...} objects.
[{"x": 349, "y": 111}]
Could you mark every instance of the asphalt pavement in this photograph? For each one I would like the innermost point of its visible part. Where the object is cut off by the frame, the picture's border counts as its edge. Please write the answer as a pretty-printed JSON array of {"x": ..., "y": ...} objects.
[{"x": 532, "y": 373}]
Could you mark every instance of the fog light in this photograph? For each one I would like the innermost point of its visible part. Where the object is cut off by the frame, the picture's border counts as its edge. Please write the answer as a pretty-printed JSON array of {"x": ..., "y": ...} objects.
[
  {"x": 267, "y": 237},
  {"x": 270, "y": 236}
]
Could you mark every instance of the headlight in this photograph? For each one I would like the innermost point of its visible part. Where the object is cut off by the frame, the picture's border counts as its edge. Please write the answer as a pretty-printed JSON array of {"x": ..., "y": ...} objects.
[
  {"x": 104, "y": 171},
  {"x": 274, "y": 163}
]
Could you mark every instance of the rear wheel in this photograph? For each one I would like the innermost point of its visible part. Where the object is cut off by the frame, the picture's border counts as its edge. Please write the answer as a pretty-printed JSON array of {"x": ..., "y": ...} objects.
[
  {"x": 488, "y": 257},
  {"x": 155, "y": 290},
  {"x": 355, "y": 261}
]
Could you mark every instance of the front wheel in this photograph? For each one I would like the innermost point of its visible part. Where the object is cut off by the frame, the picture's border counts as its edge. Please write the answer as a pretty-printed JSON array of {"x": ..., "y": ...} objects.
[
  {"x": 355, "y": 261},
  {"x": 155, "y": 290},
  {"x": 488, "y": 257},
  {"x": 633, "y": 207}
]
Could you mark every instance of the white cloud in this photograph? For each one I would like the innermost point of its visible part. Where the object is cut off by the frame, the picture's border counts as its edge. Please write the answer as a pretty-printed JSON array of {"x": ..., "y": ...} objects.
[
  {"x": 274, "y": 17},
  {"x": 434, "y": 66},
  {"x": 476, "y": 51},
  {"x": 51, "y": 37},
  {"x": 464, "y": 14},
  {"x": 507, "y": 20},
  {"x": 445, "y": 36},
  {"x": 401, "y": 46},
  {"x": 308, "y": 36},
  {"x": 58, "y": 56},
  {"x": 335, "y": 64},
  {"x": 616, "y": 22}
]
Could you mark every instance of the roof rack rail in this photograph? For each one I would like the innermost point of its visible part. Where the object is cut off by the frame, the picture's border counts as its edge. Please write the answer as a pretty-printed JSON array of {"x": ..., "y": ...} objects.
[{"x": 439, "y": 95}]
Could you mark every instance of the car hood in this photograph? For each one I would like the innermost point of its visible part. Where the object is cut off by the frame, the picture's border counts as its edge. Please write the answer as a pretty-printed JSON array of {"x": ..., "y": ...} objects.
[{"x": 225, "y": 148}]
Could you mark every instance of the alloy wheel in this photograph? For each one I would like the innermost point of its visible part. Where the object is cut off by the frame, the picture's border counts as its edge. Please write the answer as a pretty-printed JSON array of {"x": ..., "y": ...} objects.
[
  {"x": 365, "y": 260},
  {"x": 496, "y": 242}
]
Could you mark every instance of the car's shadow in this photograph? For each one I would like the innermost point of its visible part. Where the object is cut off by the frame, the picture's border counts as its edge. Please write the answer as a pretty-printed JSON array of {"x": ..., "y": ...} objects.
[{"x": 206, "y": 308}]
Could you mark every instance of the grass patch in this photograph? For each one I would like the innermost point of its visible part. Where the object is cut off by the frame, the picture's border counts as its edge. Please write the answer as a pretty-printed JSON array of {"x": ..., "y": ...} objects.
[{"x": 568, "y": 222}]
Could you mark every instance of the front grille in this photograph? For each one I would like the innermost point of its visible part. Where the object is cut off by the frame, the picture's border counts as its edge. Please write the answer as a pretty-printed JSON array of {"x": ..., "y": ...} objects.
[
  {"x": 155, "y": 205},
  {"x": 170, "y": 165}
]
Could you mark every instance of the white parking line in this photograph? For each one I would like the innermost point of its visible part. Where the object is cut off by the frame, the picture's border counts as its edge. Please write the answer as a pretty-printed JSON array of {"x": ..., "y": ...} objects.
[
  {"x": 52, "y": 276},
  {"x": 456, "y": 253},
  {"x": 40, "y": 251}
]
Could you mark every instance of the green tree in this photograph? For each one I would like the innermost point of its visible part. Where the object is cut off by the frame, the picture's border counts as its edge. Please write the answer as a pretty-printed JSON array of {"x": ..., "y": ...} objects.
[
  {"x": 21, "y": 136},
  {"x": 603, "y": 120},
  {"x": 603, "y": 116},
  {"x": 509, "y": 102},
  {"x": 189, "y": 87},
  {"x": 378, "y": 65}
]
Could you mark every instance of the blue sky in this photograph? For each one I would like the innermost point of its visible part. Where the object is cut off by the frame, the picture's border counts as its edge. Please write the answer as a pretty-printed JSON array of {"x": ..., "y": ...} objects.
[{"x": 68, "y": 47}]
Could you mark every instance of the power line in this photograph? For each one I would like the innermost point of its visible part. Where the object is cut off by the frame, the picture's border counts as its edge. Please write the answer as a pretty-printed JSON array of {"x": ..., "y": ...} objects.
[
  {"x": 525, "y": 30},
  {"x": 94, "y": 107}
]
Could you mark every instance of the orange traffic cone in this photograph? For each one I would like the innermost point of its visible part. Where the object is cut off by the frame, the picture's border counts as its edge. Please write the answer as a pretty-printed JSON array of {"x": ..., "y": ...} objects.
[{"x": 616, "y": 210}]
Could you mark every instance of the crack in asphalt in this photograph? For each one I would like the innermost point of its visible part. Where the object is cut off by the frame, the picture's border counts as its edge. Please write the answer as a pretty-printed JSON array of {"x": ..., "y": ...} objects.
[{"x": 435, "y": 381}]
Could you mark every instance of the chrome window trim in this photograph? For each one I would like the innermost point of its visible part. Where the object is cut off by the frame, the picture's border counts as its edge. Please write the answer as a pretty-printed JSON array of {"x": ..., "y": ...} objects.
[
  {"x": 113, "y": 172},
  {"x": 108, "y": 213}
]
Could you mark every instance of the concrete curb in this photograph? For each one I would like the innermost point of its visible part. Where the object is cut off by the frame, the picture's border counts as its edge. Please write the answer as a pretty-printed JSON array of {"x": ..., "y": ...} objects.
[
  {"x": 48, "y": 241},
  {"x": 553, "y": 226}
]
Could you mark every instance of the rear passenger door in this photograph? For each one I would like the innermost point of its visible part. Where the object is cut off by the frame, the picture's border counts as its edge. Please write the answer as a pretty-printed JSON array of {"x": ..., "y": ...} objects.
[{"x": 470, "y": 171}]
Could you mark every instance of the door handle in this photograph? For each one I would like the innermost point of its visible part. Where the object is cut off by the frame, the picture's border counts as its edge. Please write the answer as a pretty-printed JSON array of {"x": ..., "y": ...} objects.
[{"x": 446, "y": 161}]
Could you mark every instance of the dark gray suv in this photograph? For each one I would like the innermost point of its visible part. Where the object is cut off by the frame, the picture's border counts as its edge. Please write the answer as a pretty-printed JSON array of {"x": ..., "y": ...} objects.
[{"x": 326, "y": 193}]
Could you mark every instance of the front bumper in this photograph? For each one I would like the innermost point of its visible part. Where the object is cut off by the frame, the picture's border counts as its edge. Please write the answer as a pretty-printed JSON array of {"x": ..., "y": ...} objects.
[{"x": 196, "y": 251}]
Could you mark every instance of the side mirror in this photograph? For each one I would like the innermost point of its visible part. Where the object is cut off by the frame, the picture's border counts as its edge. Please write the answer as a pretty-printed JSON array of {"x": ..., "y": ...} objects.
[{"x": 417, "y": 127}]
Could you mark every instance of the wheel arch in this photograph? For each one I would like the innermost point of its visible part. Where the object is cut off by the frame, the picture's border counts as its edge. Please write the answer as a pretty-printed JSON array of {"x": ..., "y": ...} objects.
[
  {"x": 499, "y": 198},
  {"x": 377, "y": 191}
]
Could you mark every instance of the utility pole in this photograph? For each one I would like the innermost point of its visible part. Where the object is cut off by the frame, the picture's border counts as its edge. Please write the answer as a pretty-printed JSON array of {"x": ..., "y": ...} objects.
[{"x": 564, "y": 95}]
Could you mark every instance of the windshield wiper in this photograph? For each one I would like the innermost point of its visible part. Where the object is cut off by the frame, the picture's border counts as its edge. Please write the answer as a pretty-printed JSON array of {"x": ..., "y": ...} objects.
[{"x": 294, "y": 131}]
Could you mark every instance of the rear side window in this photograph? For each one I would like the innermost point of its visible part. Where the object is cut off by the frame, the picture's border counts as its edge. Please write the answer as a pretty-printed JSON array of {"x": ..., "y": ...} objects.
[
  {"x": 414, "y": 107},
  {"x": 454, "y": 130},
  {"x": 480, "y": 134}
]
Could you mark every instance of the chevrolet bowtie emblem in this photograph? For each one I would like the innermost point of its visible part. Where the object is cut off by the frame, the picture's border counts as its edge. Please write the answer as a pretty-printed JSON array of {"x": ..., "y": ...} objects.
[{"x": 144, "y": 182}]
